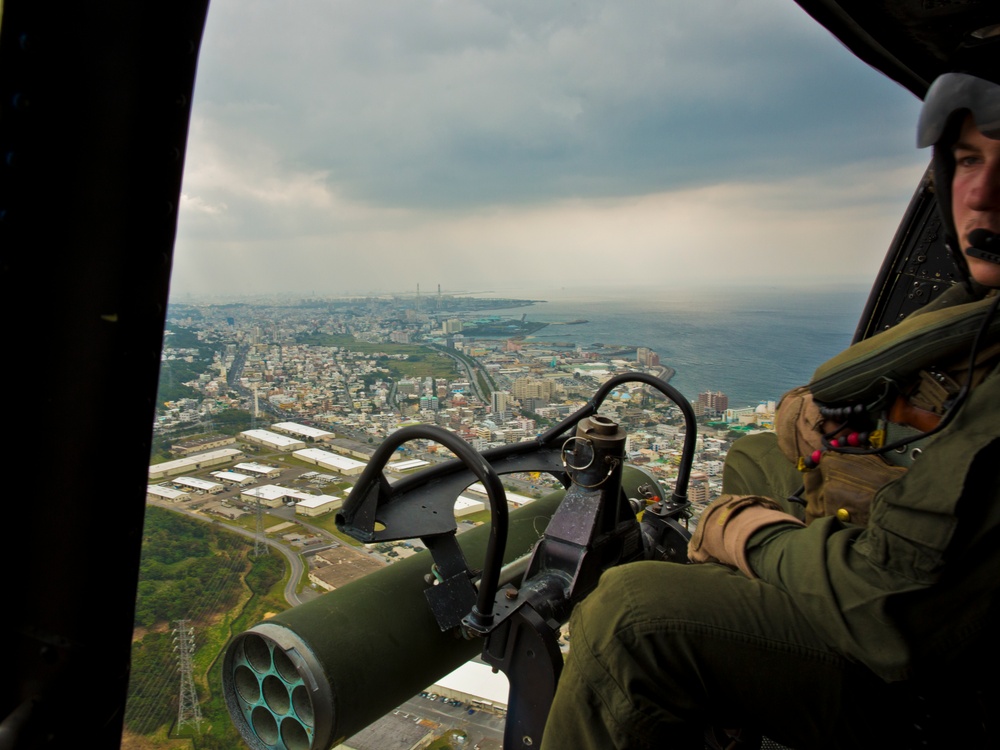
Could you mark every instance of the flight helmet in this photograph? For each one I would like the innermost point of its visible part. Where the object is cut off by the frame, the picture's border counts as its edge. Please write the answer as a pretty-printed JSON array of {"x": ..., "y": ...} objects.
[{"x": 972, "y": 87}]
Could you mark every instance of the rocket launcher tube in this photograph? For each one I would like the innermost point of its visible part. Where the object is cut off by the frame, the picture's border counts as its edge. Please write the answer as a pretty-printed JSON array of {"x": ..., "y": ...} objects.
[
  {"x": 311, "y": 676},
  {"x": 314, "y": 675}
]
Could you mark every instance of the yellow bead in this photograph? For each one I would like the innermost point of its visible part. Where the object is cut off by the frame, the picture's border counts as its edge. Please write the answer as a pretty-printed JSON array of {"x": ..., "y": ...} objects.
[{"x": 843, "y": 514}]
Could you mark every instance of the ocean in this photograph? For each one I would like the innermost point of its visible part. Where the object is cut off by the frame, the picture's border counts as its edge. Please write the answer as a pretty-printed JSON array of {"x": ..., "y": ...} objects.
[{"x": 752, "y": 344}]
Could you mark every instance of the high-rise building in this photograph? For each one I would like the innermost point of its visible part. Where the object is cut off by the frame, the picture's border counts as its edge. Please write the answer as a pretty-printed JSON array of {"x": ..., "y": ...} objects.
[
  {"x": 698, "y": 488},
  {"x": 646, "y": 357},
  {"x": 525, "y": 388},
  {"x": 500, "y": 401},
  {"x": 533, "y": 404},
  {"x": 714, "y": 401}
]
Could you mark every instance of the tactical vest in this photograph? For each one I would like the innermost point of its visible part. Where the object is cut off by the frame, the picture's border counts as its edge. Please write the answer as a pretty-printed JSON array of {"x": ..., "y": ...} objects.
[{"x": 886, "y": 390}]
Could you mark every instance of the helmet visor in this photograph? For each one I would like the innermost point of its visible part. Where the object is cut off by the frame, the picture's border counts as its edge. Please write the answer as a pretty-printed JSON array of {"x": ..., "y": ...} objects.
[{"x": 955, "y": 91}]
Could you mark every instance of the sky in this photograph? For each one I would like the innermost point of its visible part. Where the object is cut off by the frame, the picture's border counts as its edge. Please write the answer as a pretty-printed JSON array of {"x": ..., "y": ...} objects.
[{"x": 349, "y": 147}]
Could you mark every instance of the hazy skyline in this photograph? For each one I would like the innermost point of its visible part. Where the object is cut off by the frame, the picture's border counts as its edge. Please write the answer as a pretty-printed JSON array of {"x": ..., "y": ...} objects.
[{"x": 353, "y": 147}]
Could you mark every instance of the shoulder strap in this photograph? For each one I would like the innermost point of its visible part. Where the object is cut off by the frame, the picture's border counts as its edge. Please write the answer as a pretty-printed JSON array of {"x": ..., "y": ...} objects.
[{"x": 867, "y": 369}]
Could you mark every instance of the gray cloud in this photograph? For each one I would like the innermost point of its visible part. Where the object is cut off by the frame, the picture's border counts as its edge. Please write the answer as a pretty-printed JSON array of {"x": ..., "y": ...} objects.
[
  {"x": 450, "y": 103},
  {"x": 331, "y": 130}
]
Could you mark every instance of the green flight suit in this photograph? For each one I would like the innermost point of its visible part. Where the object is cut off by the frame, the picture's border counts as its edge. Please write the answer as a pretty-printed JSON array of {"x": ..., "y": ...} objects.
[{"x": 829, "y": 645}]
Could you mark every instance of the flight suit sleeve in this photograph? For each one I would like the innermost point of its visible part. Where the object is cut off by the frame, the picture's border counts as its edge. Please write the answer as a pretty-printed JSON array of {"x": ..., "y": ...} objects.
[{"x": 854, "y": 583}]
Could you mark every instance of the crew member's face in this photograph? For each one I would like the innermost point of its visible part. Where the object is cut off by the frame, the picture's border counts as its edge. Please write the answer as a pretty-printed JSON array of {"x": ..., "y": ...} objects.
[{"x": 975, "y": 194}]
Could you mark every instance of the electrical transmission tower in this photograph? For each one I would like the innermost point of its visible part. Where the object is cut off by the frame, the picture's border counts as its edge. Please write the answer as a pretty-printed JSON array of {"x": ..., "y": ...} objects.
[
  {"x": 188, "y": 708},
  {"x": 259, "y": 545}
]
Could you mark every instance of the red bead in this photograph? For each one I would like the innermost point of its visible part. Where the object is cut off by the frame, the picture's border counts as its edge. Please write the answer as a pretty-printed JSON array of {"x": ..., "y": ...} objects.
[
  {"x": 853, "y": 439},
  {"x": 815, "y": 457},
  {"x": 835, "y": 443}
]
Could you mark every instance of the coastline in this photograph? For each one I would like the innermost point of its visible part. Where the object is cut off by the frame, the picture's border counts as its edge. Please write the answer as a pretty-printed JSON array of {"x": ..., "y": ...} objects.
[{"x": 752, "y": 344}]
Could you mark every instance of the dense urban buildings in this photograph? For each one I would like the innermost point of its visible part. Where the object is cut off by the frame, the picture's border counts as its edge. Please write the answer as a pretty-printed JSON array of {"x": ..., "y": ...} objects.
[{"x": 361, "y": 368}]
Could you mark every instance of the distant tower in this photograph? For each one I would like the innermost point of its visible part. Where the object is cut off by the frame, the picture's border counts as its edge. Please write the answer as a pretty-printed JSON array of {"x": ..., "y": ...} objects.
[
  {"x": 439, "y": 291},
  {"x": 188, "y": 708}
]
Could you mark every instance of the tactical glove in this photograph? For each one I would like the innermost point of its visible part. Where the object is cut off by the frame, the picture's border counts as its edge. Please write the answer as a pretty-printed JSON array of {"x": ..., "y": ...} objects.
[
  {"x": 799, "y": 425},
  {"x": 726, "y": 526}
]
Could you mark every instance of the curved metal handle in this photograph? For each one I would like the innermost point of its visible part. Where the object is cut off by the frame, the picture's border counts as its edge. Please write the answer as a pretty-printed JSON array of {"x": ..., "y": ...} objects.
[{"x": 373, "y": 493}]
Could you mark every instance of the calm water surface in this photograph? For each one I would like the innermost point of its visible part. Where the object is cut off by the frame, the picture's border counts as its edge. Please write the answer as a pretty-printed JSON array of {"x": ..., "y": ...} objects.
[{"x": 751, "y": 344}]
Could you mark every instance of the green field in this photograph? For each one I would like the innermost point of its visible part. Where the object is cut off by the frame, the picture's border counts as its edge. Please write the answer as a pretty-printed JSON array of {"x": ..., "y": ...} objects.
[{"x": 421, "y": 362}]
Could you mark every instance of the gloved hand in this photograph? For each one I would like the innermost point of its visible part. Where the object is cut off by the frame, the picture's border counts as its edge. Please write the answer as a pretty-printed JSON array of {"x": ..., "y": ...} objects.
[
  {"x": 726, "y": 526},
  {"x": 799, "y": 424}
]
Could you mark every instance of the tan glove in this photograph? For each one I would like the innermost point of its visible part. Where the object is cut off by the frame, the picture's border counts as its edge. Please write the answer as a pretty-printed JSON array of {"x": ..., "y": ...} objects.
[
  {"x": 799, "y": 425},
  {"x": 726, "y": 526}
]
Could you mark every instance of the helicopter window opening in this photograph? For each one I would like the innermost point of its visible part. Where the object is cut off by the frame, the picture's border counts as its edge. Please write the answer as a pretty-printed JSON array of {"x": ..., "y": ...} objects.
[{"x": 660, "y": 181}]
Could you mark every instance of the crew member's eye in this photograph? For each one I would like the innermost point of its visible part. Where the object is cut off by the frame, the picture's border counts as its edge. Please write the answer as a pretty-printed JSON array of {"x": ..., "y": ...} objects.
[{"x": 966, "y": 159}]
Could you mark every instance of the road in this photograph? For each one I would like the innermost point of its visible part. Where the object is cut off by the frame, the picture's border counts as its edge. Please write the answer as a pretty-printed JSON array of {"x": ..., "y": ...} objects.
[
  {"x": 294, "y": 558},
  {"x": 470, "y": 371}
]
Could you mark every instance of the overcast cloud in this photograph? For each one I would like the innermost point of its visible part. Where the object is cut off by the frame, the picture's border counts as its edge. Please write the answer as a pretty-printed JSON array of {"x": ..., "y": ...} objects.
[{"x": 354, "y": 146}]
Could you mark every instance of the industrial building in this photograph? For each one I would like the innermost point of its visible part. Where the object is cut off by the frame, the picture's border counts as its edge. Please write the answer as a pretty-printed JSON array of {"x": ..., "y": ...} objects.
[
  {"x": 475, "y": 684},
  {"x": 170, "y": 494},
  {"x": 316, "y": 505},
  {"x": 311, "y": 434},
  {"x": 199, "y": 485},
  {"x": 466, "y": 505},
  {"x": 233, "y": 477},
  {"x": 258, "y": 470},
  {"x": 193, "y": 463},
  {"x": 272, "y": 440},
  {"x": 274, "y": 496},
  {"x": 188, "y": 447},
  {"x": 413, "y": 463},
  {"x": 512, "y": 497},
  {"x": 347, "y": 467},
  {"x": 270, "y": 495}
]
